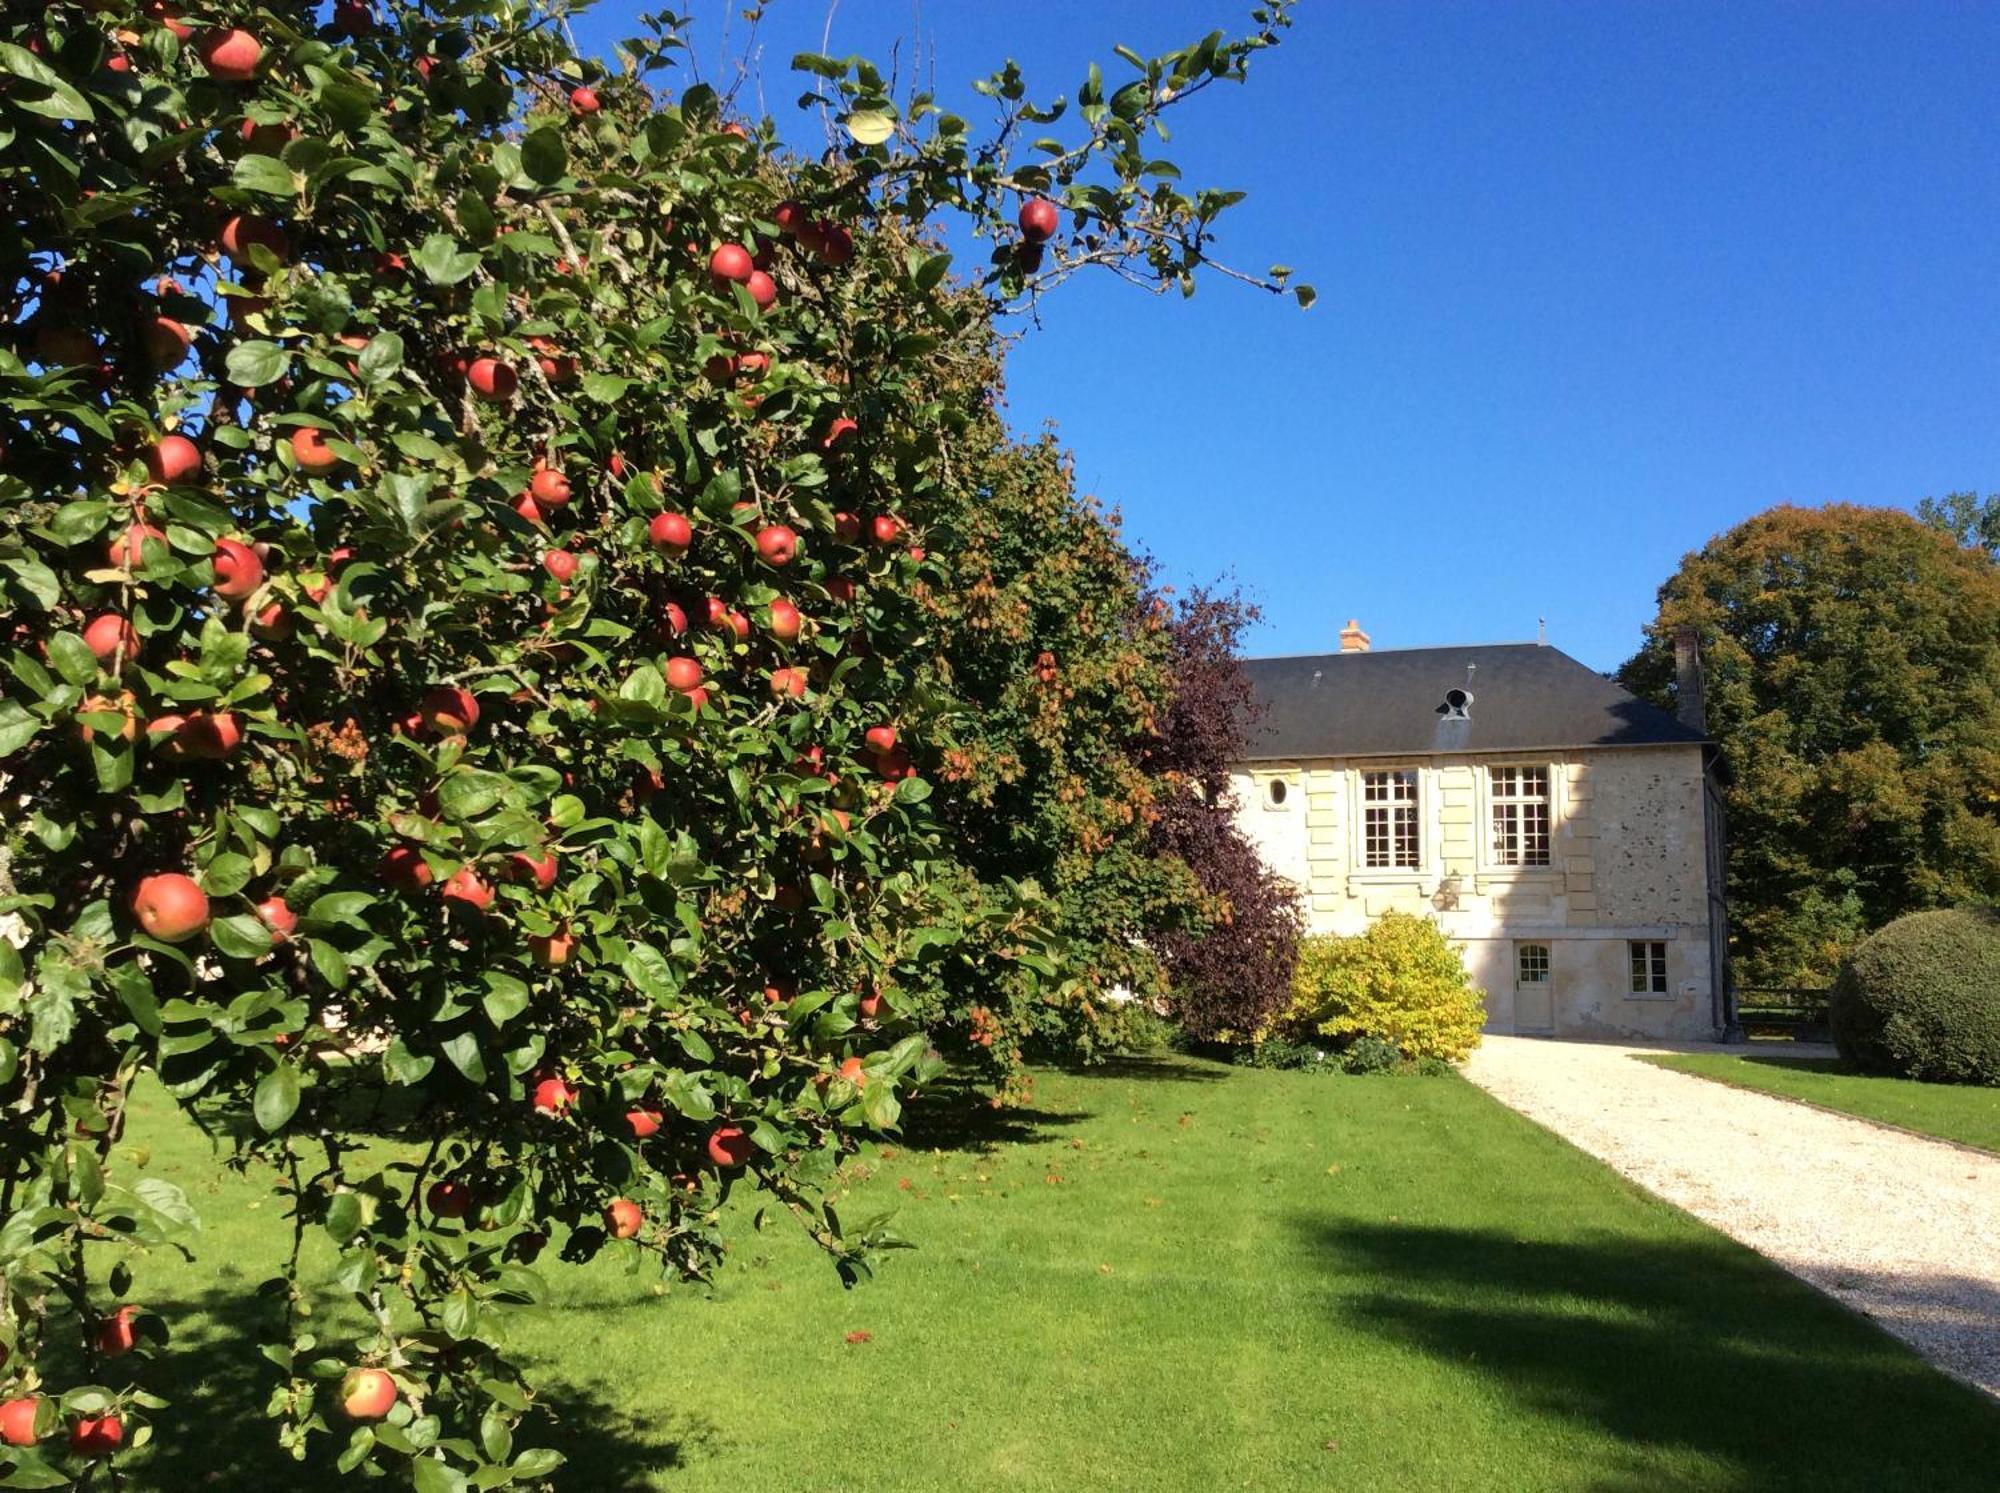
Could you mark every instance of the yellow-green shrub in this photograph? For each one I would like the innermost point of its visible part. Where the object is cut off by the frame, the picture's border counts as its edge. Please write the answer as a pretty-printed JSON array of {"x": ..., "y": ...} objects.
[{"x": 1402, "y": 981}]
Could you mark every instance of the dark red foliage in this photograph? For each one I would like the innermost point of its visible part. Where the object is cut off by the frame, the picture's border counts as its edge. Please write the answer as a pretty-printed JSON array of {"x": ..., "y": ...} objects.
[{"x": 1235, "y": 973}]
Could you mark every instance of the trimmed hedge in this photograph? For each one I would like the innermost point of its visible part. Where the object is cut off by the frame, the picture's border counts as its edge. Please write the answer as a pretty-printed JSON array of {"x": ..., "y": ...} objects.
[{"x": 1921, "y": 999}]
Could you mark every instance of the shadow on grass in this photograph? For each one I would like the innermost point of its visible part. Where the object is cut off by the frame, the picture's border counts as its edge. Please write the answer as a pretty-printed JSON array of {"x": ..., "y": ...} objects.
[
  {"x": 1674, "y": 1348},
  {"x": 957, "y": 1114},
  {"x": 1148, "y": 1068},
  {"x": 1803, "y": 1065},
  {"x": 214, "y": 1433}
]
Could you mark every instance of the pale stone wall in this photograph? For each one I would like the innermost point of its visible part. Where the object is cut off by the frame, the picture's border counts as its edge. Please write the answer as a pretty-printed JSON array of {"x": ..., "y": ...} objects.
[{"x": 1626, "y": 862}]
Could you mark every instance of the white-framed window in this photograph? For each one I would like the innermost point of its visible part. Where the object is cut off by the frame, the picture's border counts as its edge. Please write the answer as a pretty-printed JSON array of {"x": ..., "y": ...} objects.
[
  {"x": 1390, "y": 838},
  {"x": 1532, "y": 963},
  {"x": 1519, "y": 797},
  {"x": 1277, "y": 793},
  {"x": 1649, "y": 966}
]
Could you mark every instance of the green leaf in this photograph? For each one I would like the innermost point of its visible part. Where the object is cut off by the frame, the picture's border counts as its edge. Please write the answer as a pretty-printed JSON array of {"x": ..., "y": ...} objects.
[
  {"x": 605, "y": 388},
  {"x": 277, "y": 1098},
  {"x": 135, "y": 990},
  {"x": 505, "y": 998},
  {"x": 463, "y": 1050},
  {"x": 17, "y": 727},
  {"x": 428, "y": 1475},
  {"x": 544, "y": 156},
  {"x": 226, "y": 875},
  {"x": 403, "y": 1066},
  {"x": 467, "y": 795},
  {"x": 650, "y": 973},
  {"x": 73, "y": 658},
  {"x": 240, "y": 937},
  {"x": 460, "y": 1316},
  {"x": 167, "y": 1200},
  {"x": 537, "y": 1462},
  {"x": 442, "y": 262},
  {"x": 381, "y": 357},
  {"x": 870, "y": 126},
  {"x": 254, "y": 364},
  {"x": 338, "y": 907},
  {"x": 49, "y": 96},
  {"x": 265, "y": 175},
  {"x": 343, "y": 1216}
]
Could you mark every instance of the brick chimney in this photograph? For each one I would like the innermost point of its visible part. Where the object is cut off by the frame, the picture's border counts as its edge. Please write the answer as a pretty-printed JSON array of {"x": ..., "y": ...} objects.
[
  {"x": 1352, "y": 638},
  {"x": 1689, "y": 694}
]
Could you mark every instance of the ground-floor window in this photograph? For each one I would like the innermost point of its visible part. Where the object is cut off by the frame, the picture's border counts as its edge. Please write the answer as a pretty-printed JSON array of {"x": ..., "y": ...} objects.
[
  {"x": 1534, "y": 963},
  {"x": 1649, "y": 967}
]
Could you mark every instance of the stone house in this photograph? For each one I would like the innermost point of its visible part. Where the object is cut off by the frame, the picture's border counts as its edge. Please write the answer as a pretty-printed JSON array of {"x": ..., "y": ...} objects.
[{"x": 1567, "y": 835}]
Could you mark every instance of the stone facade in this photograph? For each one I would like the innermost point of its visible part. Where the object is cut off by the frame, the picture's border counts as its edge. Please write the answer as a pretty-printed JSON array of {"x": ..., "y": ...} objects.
[{"x": 1609, "y": 938}]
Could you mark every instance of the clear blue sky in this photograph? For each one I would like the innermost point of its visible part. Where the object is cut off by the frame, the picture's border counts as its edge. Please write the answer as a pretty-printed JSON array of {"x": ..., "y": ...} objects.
[{"x": 1596, "y": 281}]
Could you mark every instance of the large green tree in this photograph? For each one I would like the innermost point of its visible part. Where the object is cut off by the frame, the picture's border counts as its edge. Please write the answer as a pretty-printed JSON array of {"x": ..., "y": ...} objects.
[{"x": 1853, "y": 680}]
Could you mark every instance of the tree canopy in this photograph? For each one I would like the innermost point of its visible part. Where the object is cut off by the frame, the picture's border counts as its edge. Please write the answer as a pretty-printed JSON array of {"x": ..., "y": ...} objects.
[{"x": 1853, "y": 679}]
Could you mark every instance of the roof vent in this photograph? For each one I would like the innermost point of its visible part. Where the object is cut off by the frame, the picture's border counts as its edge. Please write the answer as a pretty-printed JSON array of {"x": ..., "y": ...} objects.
[{"x": 1457, "y": 705}]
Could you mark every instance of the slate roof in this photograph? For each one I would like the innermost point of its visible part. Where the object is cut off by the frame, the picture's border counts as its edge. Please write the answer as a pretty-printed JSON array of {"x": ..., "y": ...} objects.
[{"x": 1387, "y": 704}]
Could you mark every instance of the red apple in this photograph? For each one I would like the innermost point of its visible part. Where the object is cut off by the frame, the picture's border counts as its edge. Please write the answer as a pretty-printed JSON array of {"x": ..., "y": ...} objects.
[
  {"x": 492, "y": 379},
  {"x": 311, "y": 452},
  {"x": 683, "y": 673},
  {"x": 198, "y": 736},
  {"x": 852, "y": 1071},
  {"x": 675, "y": 620},
  {"x": 644, "y": 1120},
  {"x": 549, "y": 487},
  {"x": 230, "y": 56},
  {"x": 780, "y": 992},
  {"x": 729, "y": 1145},
  {"x": 788, "y": 683},
  {"x": 887, "y": 528},
  {"x": 777, "y": 544},
  {"x": 239, "y": 569},
  {"x": 170, "y": 907},
  {"x": 894, "y": 765},
  {"x": 465, "y": 885},
  {"x": 97, "y": 1436},
  {"x": 552, "y": 1096},
  {"x": 405, "y": 868},
  {"x": 448, "y": 710},
  {"x": 17, "y": 1420},
  {"x": 449, "y": 1199},
  {"x": 106, "y": 635},
  {"x": 871, "y": 1005},
  {"x": 245, "y": 229},
  {"x": 833, "y": 242},
  {"x": 789, "y": 217},
  {"x": 785, "y": 620},
  {"x": 174, "y": 458},
  {"x": 552, "y": 950},
  {"x": 838, "y": 432},
  {"x": 276, "y": 914},
  {"x": 561, "y": 564},
  {"x": 367, "y": 1394},
  {"x": 763, "y": 290},
  {"x": 1038, "y": 219},
  {"x": 624, "y": 1218},
  {"x": 272, "y": 623},
  {"x": 128, "y": 551},
  {"x": 540, "y": 869},
  {"x": 671, "y": 532},
  {"x": 840, "y": 588},
  {"x": 167, "y": 342},
  {"x": 114, "y": 1333},
  {"x": 881, "y": 738},
  {"x": 583, "y": 101},
  {"x": 124, "y": 706},
  {"x": 731, "y": 262}
]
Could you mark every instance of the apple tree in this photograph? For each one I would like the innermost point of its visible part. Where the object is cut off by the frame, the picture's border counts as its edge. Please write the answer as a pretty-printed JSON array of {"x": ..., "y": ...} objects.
[{"x": 470, "y": 525}]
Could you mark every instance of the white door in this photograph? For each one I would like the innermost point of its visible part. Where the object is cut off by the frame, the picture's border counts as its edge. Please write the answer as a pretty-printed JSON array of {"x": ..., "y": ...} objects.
[{"x": 1534, "y": 995}]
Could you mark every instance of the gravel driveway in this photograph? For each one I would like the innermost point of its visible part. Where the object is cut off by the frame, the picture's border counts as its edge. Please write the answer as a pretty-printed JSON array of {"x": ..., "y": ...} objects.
[{"x": 1902, "y": 1229}]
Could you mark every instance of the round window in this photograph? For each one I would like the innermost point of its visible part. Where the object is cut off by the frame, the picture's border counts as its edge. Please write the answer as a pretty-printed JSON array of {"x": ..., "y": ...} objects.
[{"x": 1278, "y": 790}]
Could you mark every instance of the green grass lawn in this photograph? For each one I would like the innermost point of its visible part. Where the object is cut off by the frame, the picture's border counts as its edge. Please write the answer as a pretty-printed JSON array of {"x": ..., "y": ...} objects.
[
  {"x": 1167, "y": 1275},
  {"x": 1964, "y": 1113}
]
